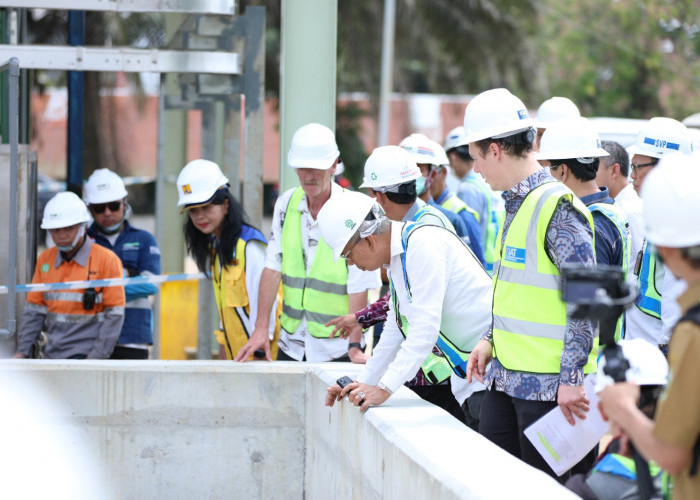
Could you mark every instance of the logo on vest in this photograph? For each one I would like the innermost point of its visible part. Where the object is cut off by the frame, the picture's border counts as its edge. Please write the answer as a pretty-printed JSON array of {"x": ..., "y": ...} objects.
[
  {"x": 44, "y": 268},
  {"x": 516, "y": 255}
]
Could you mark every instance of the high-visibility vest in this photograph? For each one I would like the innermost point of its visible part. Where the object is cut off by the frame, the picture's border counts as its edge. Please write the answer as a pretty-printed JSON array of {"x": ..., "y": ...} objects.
[
  {"x": 321, "y": 294},
  {"x": 491, "y": 227},
  {"x": 232, "y": 299},
  {"x": 454, "y": 204},
  {"x": 529, "y": 316},
  {"x": 617, "y": 217},
  {"x": 649, "y": 298},
  {"x": 454, "y": 355}
]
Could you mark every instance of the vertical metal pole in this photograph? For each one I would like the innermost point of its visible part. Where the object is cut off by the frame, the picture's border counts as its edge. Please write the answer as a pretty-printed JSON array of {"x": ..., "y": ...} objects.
[
  {"x": 308, "y": 72},
  {"x": 76, "y": 101},
  {"x": 254, "y": 91},
  {"x": 387, "y": 71},
  {"x": 13, "y": 132}
]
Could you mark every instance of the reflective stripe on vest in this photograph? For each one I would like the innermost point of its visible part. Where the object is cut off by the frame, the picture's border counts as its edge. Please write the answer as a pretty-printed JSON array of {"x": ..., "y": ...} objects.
[
  {"x": 428, "y": 210},
  {"x": 492, "y": 225},
  {"x": 456, "y": 205},
  {"x": 231, "y": 295},
  {"x": 529, "y": 317},
  {"x": 649, "y": 298},
  {"x": 322, "y": 294},
  {"x": 434, "y": 366},
  {"x": 617, "y": 217}
]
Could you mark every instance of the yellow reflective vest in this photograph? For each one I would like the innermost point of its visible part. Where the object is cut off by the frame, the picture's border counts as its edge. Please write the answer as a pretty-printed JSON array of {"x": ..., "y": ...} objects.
[
  {"x": 321, "y": 294},
  {"x": 232, "y": 298},
  {"x": 529, "y": 317}
]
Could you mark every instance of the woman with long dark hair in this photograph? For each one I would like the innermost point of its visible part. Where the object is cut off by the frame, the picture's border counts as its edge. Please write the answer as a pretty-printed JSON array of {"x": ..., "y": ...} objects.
[{"x": 230, "y": 250}]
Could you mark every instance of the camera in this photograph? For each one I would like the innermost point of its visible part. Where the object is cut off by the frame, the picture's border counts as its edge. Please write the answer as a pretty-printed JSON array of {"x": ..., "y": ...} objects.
[
  {"x": 89, "y": 299},
  {"x": 597, "y": 293}
]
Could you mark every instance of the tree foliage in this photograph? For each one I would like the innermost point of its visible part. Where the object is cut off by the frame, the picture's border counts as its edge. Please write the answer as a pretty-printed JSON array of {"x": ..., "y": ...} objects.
[{"x": 627, "y": 58}]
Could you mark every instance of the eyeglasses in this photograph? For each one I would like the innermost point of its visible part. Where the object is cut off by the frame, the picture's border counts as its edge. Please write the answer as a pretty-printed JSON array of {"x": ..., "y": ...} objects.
[
  {"x": 640, "y": 165},
  {"x": 347, "y": 252},
  {"x": 99, "y": 208}
]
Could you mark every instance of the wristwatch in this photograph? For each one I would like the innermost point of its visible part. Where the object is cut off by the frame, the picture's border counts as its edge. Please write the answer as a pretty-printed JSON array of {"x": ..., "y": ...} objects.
[
  {"x": 385, "y": 388},
  {"x": 354, "y": 344}
]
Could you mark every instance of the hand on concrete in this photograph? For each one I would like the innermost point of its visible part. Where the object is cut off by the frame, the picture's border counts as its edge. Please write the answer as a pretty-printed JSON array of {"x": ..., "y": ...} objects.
[
  {"x": 344, "y": 326},
  {"x": 333, "y": 395},
  {"x": 572, "y": 401},
  {"x": 364, "y": 396},
  {"x": 259, "y": 339},
  {"x": 478, "y": 359},
  {"x": 19, "y": 355},
  {"x": 357, "y": 356}
]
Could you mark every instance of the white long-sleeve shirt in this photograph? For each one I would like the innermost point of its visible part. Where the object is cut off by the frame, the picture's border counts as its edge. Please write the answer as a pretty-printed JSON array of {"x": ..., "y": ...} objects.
[
  {"x": 451, "y": 292},
  {"x": 300, "y": 343}
]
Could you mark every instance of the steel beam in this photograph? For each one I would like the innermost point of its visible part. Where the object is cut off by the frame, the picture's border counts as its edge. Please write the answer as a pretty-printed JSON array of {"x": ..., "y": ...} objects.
[
  {"x": 227, "y": 7},
  {"x": 121, "y": 59}
]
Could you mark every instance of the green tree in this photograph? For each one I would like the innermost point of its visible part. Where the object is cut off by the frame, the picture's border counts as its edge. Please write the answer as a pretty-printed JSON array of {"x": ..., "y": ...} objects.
[{"x": 627, "y": 58}]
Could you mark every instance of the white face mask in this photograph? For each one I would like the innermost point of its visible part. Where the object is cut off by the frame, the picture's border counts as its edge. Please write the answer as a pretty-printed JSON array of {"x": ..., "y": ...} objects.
[{"x": 78, "y": 235}]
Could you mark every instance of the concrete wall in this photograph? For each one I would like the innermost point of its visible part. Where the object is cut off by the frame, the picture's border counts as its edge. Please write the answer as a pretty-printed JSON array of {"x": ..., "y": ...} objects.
[{"x": 173, "y": 430}]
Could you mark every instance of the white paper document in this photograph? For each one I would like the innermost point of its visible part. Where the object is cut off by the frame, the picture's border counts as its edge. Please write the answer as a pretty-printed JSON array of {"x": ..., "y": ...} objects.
[{"x": 563, "y": 445}]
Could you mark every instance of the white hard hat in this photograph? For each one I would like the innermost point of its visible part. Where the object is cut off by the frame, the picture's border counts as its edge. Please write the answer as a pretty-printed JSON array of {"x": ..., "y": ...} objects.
[
  {"x": 313, "y": 146},
  {"x": 661, "y": 136},
  {"x": 555, "y": 109},
  {"x": 495, "y": 113},
  {"x": 389, "y": 166},
  {"x": 671, "y": 195},
  {"x": 104, "y": 186},
  {"x": 64, "y": 210},
  {"x": 648, "y": 366},
  {"x": 198, "y": 181},
  {"x": 454, "y": 138},
  {"x": 424, "y": 150},
  {"x": 341, "y": 216},
  {"x": 570, "y": 138}
]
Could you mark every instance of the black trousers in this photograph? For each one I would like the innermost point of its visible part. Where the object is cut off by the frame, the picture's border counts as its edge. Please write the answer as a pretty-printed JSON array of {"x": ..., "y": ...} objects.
[
  {"x": 440, "y": 395},
  {"x": 504, "y": 418},
  {"x": 121, "y": 352},
  {"x": 282, "y": 356}
]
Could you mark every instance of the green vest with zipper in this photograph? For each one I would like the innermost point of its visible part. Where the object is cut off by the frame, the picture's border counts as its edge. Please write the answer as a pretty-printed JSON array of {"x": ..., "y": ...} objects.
[
  {"x": 321, "y": 294},
  {"x": 617, "y": 217},
  {"x": 529, "y": 316}
]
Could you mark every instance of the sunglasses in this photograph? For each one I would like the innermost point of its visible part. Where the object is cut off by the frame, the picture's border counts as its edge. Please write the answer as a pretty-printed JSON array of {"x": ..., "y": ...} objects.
[{"x": 101, "y": 207}]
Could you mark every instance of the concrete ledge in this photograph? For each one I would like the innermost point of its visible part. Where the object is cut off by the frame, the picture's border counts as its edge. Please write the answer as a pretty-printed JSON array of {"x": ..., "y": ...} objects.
[{"x": 201, "y": 429}]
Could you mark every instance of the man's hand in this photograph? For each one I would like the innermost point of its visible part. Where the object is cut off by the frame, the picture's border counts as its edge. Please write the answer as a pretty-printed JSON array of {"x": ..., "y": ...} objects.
[
  {"x": 19, "y": 355},
  {"x": 617, "y": 400},
  {"x": 478, "y": 359},
  {"x": 344, "y": 326},
  {"x": 357, "y": 356},
  {"x": 259, "y": 339},
  {"x": 572, "y": 401},
  {"x": 361, "y": 395}
]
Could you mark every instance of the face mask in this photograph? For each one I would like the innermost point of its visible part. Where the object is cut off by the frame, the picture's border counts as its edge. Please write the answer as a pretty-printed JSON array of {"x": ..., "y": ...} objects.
[
  {"x": 115, "y": 228},
  {"x": 110, "y": 229},
  {"x": 78, "y": 235},
  {"x": 421, "y": 185}
]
